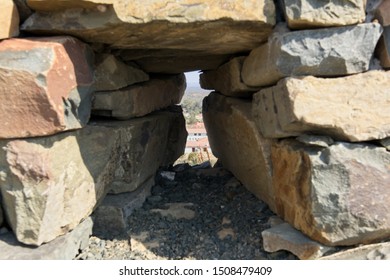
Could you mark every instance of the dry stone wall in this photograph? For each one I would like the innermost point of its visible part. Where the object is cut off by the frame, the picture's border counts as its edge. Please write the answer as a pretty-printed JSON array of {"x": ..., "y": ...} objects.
[{"x": 300, "y": 113}]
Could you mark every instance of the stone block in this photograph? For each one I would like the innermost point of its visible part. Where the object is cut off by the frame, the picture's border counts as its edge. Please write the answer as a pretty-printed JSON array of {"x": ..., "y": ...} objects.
[
  {"x": 50, "y": 184},
  {"x": 379, "y": 251},
  {"x": 9, "y": 20},
  {"x": 110, "y": 218},
  {"x": 285, "y": 237},
  {"x": 65, "y": 247},
  {"x": 45, "y": 86},
  {"x": 306, "y": 14},
  {"x": 237, "y": 143},
  {"x": 324, "y": 52},
  {"x": 227, "y": 79},
  {"x": 140, "y": 99},
  {"x": 353, "y": 108},
  {"x": 383, "y": 48},
  {"x": 337, "y": 195},
  {"x": 112, "y": 74}
]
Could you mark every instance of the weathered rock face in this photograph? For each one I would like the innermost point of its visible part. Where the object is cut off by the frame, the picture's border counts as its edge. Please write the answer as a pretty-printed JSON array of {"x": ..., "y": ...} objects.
[
  {"x": 201, "y": 28},
  {"x": 227, "y": 79},
  {"x": 322, "y": 52},
  {"x": 353, "y": 108},
  {"x": 65, "y": 247},
  {"x": 383, "y": 48},
  {"x": 379, "y": 251},
  {"x": 9, "y": 20},
  {"x": 45, "y": 86},
  {"x": 50, "y": 184},
  {"x": 112, "y": 74},
  {"x": 236, "y": 142},
  {"x": 337, "y": 195},
  {"x": 141, "y": 99},
  {"x": 302, "y": 14}
]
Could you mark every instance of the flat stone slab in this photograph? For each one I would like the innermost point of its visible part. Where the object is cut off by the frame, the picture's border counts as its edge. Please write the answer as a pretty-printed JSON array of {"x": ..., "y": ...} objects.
[
  {"x": 9, "y": 20},
  {"x": 324, "y": 52},
  {"x": 360, "y": 107},
  {"x": 380, "y": 251},
  {"x": 306, "y": 14},
  {"x": 238, "y": 144},
  {"x": 285, "y": 237},
  {"x": 43, "y": 91},
  {"x": 159, "y": 92},
  {"x": 336, "y": 195},
  {"x": 65, "y": 247}
]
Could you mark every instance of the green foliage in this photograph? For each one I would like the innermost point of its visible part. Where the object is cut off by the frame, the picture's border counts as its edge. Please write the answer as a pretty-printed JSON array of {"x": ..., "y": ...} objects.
[{"x": 192, "y": 107}]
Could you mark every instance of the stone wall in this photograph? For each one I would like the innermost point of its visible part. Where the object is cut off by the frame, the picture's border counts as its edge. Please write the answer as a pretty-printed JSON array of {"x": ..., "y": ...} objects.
[{"x": 299, "y": 113}]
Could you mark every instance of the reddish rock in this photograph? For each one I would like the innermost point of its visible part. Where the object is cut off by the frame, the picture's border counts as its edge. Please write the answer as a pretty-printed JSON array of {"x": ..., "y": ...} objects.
[
  {"x": 9, "y": 19},
  {"x": 45, "y": 86}
]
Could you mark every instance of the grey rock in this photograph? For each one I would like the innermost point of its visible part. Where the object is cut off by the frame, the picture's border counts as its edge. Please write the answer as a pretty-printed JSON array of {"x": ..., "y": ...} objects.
[
  {"x": 65, "y": 247},
  {"x": 24, "y": 9},
  {"x": 285, "y": 237},
  {"x": 385, "y": 143},
  {"x": 1, "y": 215},
  {"x": 322, "y": 52},
  {"x": 315, "y": 140},
  {"x": 380, "y": 251}
]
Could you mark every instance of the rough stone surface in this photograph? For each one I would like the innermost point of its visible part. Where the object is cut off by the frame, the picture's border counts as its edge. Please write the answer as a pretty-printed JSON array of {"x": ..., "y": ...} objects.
[
  {"x": 285, "y": 237},
  {"x": 236, "y": 142},
  {"x": 385, "y": 143},
  {"x": 383, "y": 48},
  {"x": 337, "y": 195},
  {"x": 140, "y": 99},
  {"x": 65, "y": 247},
  {"x": 302, "y": 14},
  {"x": 110, "y": 218},
  {"x": 50, "y": 184},
  {"x": 112, "y": 74},
  {"x": 194, "y": 28},
  {"x": 380, "y": 251},
  {"x": 322, "y": 52},
  {"x": 45, "y": 86},
  {"x": 9, "y": 20},
  {"x": 227, "y": 79},
  {"x": 382, "y": 13},
  {"x": 360, "y": 107}
]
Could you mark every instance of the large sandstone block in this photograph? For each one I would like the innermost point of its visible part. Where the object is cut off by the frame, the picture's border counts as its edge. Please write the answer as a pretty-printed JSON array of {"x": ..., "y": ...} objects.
[
  {"x": 236, "y": 142},
  {"x": 112, "y": 74},
  {"x": 336, "y": 195},
  {"x": 304, "y": 14},
  {"x": 190, "y": 28},
  {"x": 353, "y": 108},
  {"x": 45, "y": 86},
  {"x": 9, "y": 19},
  {"x": 50, "y": 184},
  {"x": 322, "y": 52},
  {"x": 140, "y": 99},
  {"x": 227, "y": 79}
]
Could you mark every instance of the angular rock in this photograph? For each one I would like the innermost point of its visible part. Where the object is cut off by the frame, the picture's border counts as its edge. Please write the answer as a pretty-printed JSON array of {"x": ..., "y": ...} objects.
[
  {"x": 49, "y": 184},
  {"x": 141, "y": 99},
  {"x": 337, "y": 195},
  {"x": 359, "y": 107},
  {"x": 65, "y": 247},
  {"x": 236, "y": 141},
  {"x": 322, "y": 52},
  {"x": 305, "y": 14},
  {"x": 382, "y": 12},
  {"x": 110, "y": 218},
  {"x": 112, "y": 74},
  {"x": 9, "y": 20},
  {"x": 193, "y": 28},
  {"x": 383, "y": 48},
  {"x": 227, "y": 79},
  {"x": 380, "y": 251},
  {"x": 42, "y": 88},
  {"x": 285, "y": 237}
]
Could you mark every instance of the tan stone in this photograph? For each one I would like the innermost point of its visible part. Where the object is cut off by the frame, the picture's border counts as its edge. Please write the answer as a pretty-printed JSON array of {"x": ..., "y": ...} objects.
[
  {"x": 201, "y": 28},
  {"x": 285, "y": 237},
  {"x": 304, "y": 14},
  {"x": 50, "y": 184},
  {"x": 353, "y": 108},
  {"x": 336, "y": 195},
  {"x": 227, "y": 79},
  {"x": 324, "y": 52},
  {"x": 379, "y": 251},
  {"x": 9, "y": 20},
  {"x": 140, "y": 99},
  {"x": 112, "y": 74},
  {"x": 43, "y": 90},
  {"x": 237, "y": 143},
  {"x": 382, "y": 13}
]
